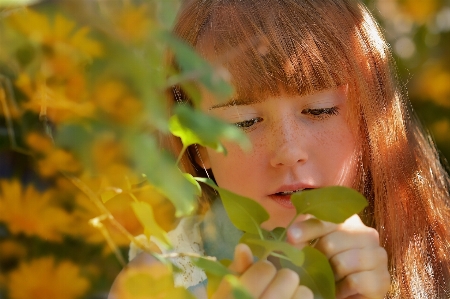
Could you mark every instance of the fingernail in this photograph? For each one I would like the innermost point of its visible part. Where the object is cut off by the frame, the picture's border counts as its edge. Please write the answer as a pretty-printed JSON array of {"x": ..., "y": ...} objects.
[{"x": 295, "y": 233}]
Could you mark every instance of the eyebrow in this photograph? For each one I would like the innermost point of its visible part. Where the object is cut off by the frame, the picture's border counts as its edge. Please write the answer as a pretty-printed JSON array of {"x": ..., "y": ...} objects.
[{"x": 234, "y": 102}]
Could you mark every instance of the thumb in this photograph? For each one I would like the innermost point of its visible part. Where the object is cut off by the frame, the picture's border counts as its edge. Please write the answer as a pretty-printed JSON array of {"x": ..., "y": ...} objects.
[{"x": 243, "y": 258}]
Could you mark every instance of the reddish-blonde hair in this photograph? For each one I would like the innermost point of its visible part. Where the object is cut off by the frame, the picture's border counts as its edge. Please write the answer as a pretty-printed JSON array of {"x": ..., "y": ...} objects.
[{"x": 303, "y": 46}]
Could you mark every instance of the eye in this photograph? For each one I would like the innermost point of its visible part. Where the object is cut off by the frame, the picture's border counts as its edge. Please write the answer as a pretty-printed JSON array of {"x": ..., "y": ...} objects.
[
  {"x": 247, "y": 124},
  {"x": 321, "y": 113}
]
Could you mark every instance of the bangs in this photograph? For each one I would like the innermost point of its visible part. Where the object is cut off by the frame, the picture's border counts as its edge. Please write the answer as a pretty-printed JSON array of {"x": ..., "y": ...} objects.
[{"x": 275, "y": 50}]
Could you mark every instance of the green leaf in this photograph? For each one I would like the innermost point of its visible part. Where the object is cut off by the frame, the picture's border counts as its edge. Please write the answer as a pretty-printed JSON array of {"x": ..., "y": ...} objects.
[
  {"x": 17, "y": 2},
  {"x": 192, "y": 180},
  {"x": 295, "y": 255},
  {"x": 162, "y": 173},
  {"x": 144, "y": 213},
  {"x": 212, "y": 267},
  {"x": 193, "y": 92},
  {"x": 195, "y": 68},
  {"x": 257, "y": 250},
  {"x": 245, "y": 213},
  {"x": 193, "y": 126},
  {"x": 239, "y": 292},
  {"x": 333, "y": 204},
  {"x": 315, "y": 273}
]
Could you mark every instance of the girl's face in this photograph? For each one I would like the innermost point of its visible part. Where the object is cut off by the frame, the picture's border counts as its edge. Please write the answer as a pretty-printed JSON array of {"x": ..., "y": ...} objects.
[{"x": 299, "y": 142}]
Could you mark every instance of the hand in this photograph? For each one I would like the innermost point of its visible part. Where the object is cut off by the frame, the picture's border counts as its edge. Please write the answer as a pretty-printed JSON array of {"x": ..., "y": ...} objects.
[
  {"x": 262, "y": 280},
  {"x": 358, "y": 261}
]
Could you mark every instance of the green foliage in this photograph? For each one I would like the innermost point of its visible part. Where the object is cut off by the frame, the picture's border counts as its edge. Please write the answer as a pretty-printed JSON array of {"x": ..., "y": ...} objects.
[
  {"x": 245, "y": 213},
  {"x": 8, "y": 3},
  {"x": 193, "y": 126},
  {"x": 193, "y": 67},
  {"x": 164, "y": 175},
  {"x": 315, "y": 273},
  {"x": 119, "y": 94},
  {"x": 332, "y": 204}
]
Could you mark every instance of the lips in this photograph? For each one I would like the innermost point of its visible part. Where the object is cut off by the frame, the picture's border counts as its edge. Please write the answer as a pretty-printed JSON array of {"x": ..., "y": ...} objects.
[{"x": 282, "y": 196}]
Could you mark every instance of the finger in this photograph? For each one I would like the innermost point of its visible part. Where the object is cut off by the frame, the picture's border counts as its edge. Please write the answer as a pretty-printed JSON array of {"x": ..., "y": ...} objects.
[
  {"x": 367, "y": 284},
  {"x": 358, "y": 260},
  {"x": 303, "y": 292},
  {"x": 283, "y": 286},
  {"x": 243, "y": 259},
  {"x": 303, "y": 232},
  {"x": 258, "y": 277},
  {"x": 344, "y": 239}
]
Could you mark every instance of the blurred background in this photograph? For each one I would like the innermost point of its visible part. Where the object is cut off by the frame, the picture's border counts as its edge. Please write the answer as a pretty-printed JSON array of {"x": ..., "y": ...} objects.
[
  {"x": 419, "y": 35},
  {"x": 92, "y": 56}
]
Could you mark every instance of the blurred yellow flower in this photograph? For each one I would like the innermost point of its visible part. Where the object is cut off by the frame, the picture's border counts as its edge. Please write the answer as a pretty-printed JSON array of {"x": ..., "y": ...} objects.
[
  {"x": 134, "y": 22},
  {"x": 29, "y": 212},
  {"x": 120, "y": 207},
  {"x": 433, "y": 84},
  {"x": 44, "y": 279},
  {"x": 116, "y": 99},
  {"x": 58, "y": 160},
  {"x": 51, "y": 160},
  {"x": 64, "y": 99},
  {"x": 441, "y": 131},
  {"x": 61, "y": 33},
  {"x": 11, "y": 251},
  {"x": 420, "y": 11}
]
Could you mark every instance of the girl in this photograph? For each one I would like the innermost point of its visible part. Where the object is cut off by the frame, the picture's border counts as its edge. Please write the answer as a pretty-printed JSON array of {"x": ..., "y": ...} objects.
[{"x": 317, "y": 97}]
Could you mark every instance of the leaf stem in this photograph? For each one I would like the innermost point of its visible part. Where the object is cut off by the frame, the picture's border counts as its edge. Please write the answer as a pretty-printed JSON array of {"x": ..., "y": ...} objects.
[
  {"x": 287, "y": 227},
  {"x": 279, "y": 256},
  {"x": 181, "y": 154}
]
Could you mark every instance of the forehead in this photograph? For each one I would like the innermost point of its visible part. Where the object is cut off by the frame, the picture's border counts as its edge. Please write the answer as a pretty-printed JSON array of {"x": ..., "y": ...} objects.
[{"x": 335, "y": 95}]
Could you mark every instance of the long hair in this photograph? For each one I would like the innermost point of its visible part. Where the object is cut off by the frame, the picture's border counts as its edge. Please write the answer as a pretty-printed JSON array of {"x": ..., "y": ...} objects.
[{"x": 298, "y": 47}]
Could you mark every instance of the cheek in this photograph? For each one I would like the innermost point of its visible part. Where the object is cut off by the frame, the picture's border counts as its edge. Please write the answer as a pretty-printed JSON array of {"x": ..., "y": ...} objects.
[
  {"x": 338, "y": 155},
  {"x": 238, "y": 171}
]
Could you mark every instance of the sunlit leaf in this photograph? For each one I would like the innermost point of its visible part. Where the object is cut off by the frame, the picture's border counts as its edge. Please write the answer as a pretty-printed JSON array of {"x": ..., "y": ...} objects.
[
  {"x": 245, "y": 213},
  {"x": 333, "y": 204},
  {"x": 144, "y": 212},
  {"x": 192, "y": 180},
  {"x": 193, "y": 126},
  {"x": 315, "y": 273},
  {"x": 195, "y": 68},
  {"x": 295, "y": 255}
]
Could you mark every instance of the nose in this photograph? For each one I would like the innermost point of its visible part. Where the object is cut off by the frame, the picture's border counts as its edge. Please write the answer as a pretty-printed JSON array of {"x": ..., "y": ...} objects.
[{"x": 288, "y": 140}]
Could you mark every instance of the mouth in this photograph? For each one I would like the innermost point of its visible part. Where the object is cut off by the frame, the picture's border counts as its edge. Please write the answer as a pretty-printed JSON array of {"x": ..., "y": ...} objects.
[{"x": 283, "y": 198}]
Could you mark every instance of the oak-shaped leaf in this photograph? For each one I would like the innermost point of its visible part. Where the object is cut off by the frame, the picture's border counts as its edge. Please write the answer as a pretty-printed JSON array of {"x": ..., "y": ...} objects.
[
  {"x": 333, "y": 204},
  {"x": 245, "y": 213}
]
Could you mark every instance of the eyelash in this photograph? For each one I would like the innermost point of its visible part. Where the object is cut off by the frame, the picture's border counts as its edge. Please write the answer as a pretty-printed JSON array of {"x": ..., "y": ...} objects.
[
  {"x": 319, "y": 113},
  {"x": 247, "y": 124}
]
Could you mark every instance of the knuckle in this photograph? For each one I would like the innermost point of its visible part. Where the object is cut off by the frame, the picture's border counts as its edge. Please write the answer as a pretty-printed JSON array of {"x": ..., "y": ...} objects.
[
  {"x": 352, "y": 282},
  {"x": 339, "y": 265},
  {"x": 265, "y": 267},
  {"x": 327, "y": 245},
  {"x": 289, "y": 275}
]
